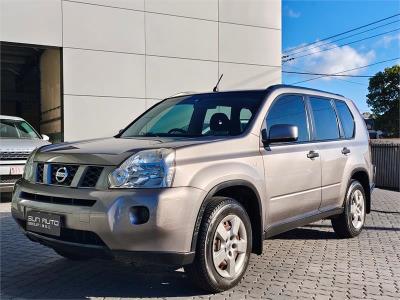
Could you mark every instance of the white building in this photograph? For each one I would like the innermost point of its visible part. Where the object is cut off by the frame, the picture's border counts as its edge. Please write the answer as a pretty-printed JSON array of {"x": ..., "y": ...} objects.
[{"x": 85, "y": 69}]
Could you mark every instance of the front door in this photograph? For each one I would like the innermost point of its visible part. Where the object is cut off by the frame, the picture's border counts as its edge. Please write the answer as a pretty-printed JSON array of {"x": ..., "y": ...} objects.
[{"x": 293, "y": 169}]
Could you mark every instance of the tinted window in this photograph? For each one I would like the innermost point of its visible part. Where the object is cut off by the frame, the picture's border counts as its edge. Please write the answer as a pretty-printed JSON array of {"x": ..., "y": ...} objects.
[
  {"x": 325, "y": 119},
  {"x": 216, "y": 114},
  {"x": 289, "y": 110},
  {"x": 346, "y": 118},
  {"x": 245, "y": 116}
]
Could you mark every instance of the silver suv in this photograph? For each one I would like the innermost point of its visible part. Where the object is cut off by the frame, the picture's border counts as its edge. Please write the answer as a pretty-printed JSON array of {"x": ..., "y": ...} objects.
[
  {"x": 201, "y": 180},
  {"x": 17, "y": 140}
]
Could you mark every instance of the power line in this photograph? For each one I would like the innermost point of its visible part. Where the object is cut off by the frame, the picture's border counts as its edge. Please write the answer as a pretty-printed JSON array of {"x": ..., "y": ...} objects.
[
  {"x": 338, "y": 46},
  {"x": 379, "y": 62},
  {"x": 337, "y": 78},
  {"x": 324, "y": 74},
  {"x": 342, "y": 33},
  {"x": 331, "y": 42}
]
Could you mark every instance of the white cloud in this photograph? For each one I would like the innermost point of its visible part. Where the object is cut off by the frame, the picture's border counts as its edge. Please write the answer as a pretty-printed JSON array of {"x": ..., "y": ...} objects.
[
  {"x": 388, "y": 39},
  {"x": 331, "y": 61},
  {"x": 293, "y": 14}
]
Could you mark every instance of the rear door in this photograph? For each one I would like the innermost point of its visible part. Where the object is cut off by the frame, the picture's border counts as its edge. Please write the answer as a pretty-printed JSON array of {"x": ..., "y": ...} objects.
[
  {"x": 332, "y": 147},
  {"x": 292, "y": 176}
]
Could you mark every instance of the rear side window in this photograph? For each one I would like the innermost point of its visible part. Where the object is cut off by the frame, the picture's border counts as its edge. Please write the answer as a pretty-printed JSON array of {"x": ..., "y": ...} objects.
[
  {"x": 326, "y": 126},
  {"x": 346, "y": 118},
  {"x": 289, "y": 110}
]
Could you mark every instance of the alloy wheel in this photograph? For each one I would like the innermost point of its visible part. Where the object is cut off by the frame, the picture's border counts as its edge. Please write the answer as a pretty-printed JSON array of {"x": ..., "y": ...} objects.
[
  {"x": 230, "y": 246},
  {"x": 357, "y": 209}
]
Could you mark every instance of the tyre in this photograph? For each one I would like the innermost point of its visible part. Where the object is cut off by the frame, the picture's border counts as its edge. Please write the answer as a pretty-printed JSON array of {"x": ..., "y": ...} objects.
[
  {"x": 72, "y": 256},
  {"x": 223, "y": 246},
  {"x": 350, "y": 223}
]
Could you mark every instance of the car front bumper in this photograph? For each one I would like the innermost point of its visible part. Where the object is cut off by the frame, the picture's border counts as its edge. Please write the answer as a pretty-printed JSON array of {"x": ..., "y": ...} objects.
[{"x": 105, "y": 228}]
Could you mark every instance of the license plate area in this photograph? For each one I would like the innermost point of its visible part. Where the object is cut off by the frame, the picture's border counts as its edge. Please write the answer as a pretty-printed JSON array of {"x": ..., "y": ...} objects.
[
  {"x": 41, "y": 222},
  {"x": 12, "y": 170}
]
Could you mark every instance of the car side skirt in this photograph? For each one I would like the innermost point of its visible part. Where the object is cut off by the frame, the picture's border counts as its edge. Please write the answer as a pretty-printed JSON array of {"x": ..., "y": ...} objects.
[{"x": 283, "y": 227}]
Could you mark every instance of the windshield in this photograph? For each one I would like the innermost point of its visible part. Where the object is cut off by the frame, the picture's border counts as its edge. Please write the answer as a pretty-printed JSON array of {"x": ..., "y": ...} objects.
[
  {"x": 220, "y": 114},
  {"x": 17, "y": 129}
]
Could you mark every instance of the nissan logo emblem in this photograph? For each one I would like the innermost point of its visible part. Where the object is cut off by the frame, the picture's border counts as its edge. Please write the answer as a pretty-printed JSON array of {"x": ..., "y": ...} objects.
[{"x": 61, "y": 174}]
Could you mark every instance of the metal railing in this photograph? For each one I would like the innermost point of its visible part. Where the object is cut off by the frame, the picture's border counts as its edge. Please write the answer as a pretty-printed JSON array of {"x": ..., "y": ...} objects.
[{"x": 386, "y": 158}]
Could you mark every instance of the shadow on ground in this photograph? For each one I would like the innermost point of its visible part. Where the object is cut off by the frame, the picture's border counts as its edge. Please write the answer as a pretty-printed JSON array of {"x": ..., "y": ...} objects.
[{"x": 306, "y": 234}]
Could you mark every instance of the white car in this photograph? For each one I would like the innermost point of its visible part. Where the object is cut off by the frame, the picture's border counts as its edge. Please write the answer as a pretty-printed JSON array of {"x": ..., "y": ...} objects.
[{"x": 17, "y": 140}]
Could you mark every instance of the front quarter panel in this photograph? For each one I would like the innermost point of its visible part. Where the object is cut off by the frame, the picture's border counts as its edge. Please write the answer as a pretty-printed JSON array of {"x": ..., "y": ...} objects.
[{"x": 205, "y": 166}]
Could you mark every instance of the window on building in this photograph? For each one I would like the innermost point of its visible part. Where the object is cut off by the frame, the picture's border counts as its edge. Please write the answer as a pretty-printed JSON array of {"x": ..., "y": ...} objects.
[
  {"x": 289, "y": 110},
  {"x": 346, "y": 118},
  {"x": 326, "y": 126}
]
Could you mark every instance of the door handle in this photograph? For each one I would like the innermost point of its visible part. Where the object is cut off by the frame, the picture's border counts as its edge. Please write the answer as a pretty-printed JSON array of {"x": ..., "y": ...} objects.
[
  {"x": 345, "y": 150},
  {"x": 312, "y": 154}
]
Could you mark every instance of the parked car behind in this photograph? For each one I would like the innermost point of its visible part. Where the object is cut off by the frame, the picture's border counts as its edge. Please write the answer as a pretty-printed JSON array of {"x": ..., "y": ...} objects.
[
  {"x": 17, "y": 140},
  {"x": 201, "y": 180}
]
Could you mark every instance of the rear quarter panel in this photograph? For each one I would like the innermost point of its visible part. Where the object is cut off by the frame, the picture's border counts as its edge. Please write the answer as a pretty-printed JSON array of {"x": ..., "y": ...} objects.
[{"x": 360, "y": 156}]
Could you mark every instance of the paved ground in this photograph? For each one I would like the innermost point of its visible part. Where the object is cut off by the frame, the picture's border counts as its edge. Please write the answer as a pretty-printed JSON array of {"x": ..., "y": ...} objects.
[{"x": 307, "y": 263}]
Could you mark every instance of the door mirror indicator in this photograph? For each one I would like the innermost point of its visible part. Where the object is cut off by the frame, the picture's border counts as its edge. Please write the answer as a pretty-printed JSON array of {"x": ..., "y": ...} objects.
[{"x": 281, "y": 133}]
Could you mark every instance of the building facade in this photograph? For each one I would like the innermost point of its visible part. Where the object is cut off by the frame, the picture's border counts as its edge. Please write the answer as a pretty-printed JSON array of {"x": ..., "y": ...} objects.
[{"x": 98, "y": 64}]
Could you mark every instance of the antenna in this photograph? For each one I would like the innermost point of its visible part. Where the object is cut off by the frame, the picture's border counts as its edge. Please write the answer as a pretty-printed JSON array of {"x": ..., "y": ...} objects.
[{"x": 215, "y": 89}]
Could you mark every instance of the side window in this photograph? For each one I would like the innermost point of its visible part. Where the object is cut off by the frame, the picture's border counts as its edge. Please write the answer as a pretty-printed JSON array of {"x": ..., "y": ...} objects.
[
  {"x": 326, "y": 126},
  {"x": 346, "y": 118},
  {"x": 289, "y": 110}
]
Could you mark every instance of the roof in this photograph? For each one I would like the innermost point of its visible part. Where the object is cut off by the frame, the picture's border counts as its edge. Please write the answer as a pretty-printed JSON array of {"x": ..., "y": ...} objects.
[
  {"x": 11, "y": 118},
  {"x": 276, "y": 86},
  {"x": 266, "y": 90}
]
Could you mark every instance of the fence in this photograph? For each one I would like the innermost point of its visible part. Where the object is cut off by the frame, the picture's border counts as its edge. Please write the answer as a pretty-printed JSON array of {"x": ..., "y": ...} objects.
[{"x": 386, "y": 158}]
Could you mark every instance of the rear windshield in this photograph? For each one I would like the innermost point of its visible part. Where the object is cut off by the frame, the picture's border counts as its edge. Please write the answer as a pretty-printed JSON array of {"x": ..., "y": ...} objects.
[
  {"x": 16, "y": 129},
  {"x": 219, "y": 114}
]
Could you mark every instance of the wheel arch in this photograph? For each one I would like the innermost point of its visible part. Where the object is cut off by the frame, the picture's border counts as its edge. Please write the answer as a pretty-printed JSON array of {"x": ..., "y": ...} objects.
[
  {"x": 236, "y": 189},
  {"x": 361, "y": 175}
]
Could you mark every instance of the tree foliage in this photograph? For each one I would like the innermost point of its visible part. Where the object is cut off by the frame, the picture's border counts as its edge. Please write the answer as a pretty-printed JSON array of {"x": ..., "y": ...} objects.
[{"x": 384, "y": 99}]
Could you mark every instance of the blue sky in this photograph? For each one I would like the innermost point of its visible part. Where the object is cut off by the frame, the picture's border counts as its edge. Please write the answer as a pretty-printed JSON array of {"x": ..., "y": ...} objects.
[{"x": 309, "y": 21}]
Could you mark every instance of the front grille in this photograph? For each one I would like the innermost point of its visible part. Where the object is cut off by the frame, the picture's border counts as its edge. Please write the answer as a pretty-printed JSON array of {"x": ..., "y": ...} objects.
[
  {"x": 91, "y": 176},
  {"x": 14, "y": 155},
  {"x": 72, "y": 236},
  {"x": 39, "y": 174},
  {"x": 71, "y": 171},
  {"x": 87, "y": 179},
  {"x": 9, "y": 178},
  {"x": 56, "y": 200}
]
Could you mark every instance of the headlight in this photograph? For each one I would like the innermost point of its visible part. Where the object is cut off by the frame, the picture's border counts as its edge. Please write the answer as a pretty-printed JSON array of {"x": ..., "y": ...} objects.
[
  {"x": 29, "y": 170},
  {"x": 145, "y": 169}
]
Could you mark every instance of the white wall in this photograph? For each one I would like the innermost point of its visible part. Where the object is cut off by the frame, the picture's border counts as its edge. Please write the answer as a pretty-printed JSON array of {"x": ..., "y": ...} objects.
[
  {"x": 122, "y": 56},
  {"x": 31, "y": 22}
]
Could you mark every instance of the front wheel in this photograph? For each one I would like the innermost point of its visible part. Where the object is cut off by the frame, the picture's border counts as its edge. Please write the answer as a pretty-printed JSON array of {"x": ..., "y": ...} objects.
[
  {"x": 350, "y": 223},
  {"x": 223, "y": 246}
]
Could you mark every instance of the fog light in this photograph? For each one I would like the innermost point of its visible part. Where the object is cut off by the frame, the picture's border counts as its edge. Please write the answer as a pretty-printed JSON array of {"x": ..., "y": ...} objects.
[{"x": 139, "y": 215}]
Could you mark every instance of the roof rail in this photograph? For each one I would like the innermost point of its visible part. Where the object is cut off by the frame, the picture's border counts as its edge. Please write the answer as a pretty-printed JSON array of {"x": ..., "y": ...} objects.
[{"x": 276, "y": 86}]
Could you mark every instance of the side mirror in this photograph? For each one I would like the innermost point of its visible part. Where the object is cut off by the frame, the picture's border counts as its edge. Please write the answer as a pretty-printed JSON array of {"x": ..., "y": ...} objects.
[
  {"x": 281, "y": 133},
  {"x": 45, "y": 137}
]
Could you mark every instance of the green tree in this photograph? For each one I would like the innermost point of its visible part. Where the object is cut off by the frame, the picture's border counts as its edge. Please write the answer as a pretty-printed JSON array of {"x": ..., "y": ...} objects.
[{"x": 384, "y": 99}]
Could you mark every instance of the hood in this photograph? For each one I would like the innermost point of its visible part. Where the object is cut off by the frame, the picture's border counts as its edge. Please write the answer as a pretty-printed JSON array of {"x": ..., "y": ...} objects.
[
  {"x": 109, "y": 151},
  {"x": 23, "y": 145}
]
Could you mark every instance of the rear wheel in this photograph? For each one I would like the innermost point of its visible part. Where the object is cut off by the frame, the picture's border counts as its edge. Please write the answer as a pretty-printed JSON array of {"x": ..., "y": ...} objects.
[
  {"x": 223, "y": 247},
  {"x": 351, "y": 222}
]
